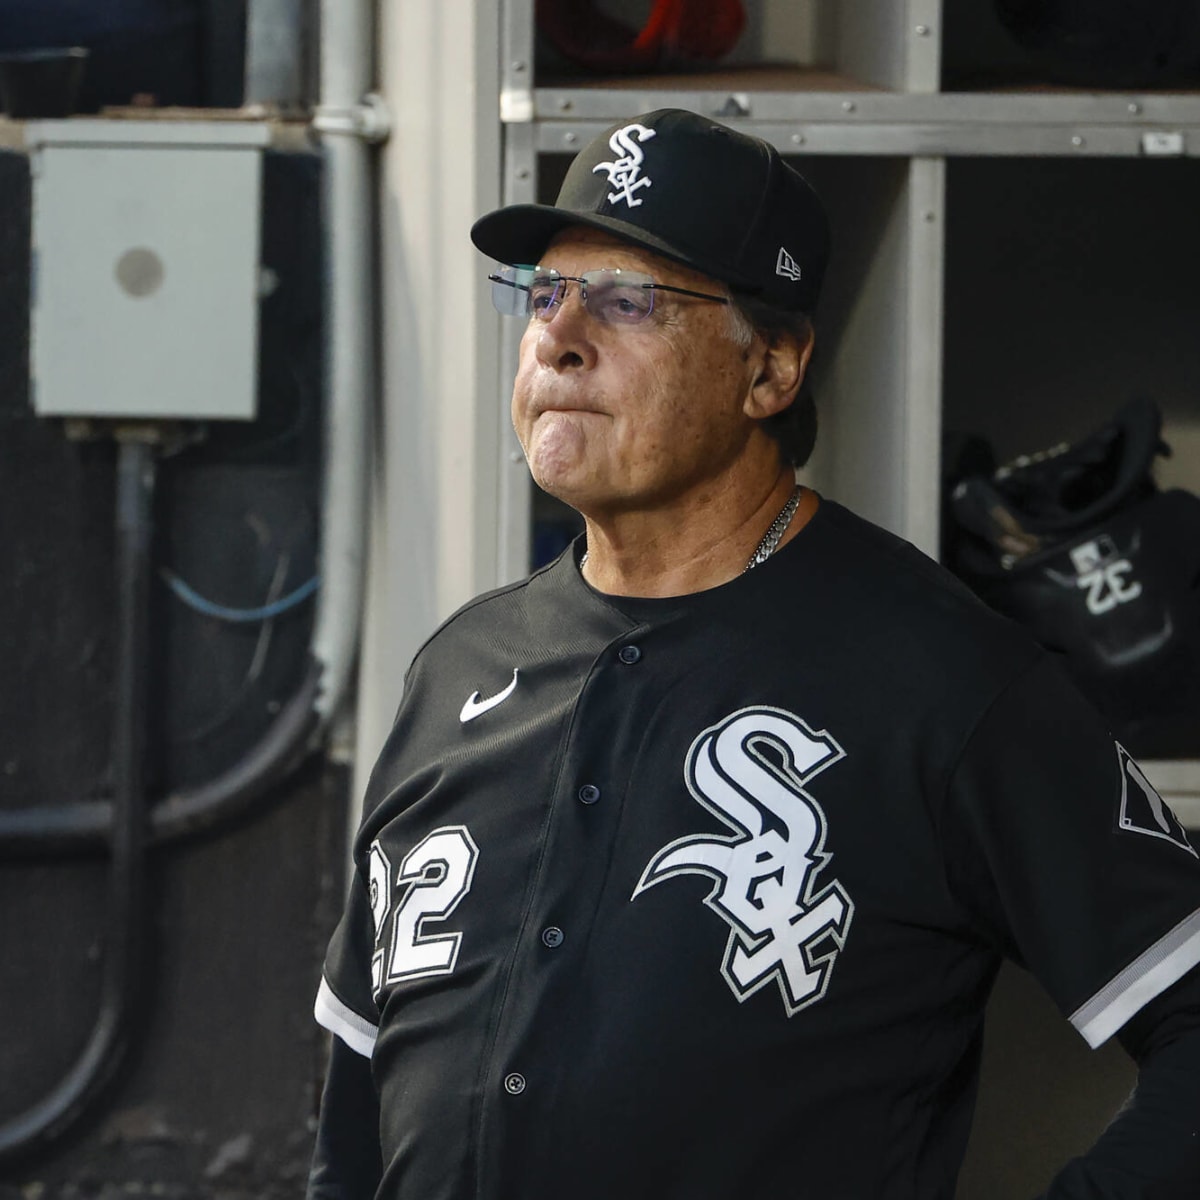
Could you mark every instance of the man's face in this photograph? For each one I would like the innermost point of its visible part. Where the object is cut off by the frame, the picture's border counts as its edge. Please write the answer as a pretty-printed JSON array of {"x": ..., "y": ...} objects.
[{"x": 619, "y": 418}]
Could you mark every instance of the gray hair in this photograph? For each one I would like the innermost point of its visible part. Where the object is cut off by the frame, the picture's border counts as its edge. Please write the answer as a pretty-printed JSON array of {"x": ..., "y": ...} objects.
[{"x": 795, "y": 429}]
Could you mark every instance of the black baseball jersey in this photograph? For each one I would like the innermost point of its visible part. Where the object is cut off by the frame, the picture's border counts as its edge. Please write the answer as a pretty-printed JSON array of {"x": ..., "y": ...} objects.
[{"x": 702, "y": 897}]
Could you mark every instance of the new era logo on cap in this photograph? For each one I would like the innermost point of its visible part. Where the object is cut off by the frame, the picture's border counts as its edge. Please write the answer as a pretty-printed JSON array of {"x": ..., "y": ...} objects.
[{"x": 787, "y": 266}]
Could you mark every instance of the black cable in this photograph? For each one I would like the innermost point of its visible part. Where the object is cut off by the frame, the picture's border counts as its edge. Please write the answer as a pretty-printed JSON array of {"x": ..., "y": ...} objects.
[
  {"x": 126, "y": 921},
  {"x": 82, "y": 827}
]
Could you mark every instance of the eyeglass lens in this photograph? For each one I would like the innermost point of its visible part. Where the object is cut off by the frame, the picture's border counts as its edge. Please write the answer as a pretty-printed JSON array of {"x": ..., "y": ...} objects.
[{"x": 615, "y": 297}]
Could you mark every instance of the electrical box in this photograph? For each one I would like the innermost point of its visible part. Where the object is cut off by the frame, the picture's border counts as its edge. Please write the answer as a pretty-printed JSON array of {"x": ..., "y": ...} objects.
[{"x": 145, "y": 268}]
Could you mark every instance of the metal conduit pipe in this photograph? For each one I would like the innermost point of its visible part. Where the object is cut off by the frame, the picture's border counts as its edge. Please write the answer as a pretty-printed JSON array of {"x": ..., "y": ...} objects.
[
  {"x": 126, "y": 915},
  {"x": 84, "y": 827},
  {"x": 348, "y": 119},
  {"x": 274, "y": 71}
]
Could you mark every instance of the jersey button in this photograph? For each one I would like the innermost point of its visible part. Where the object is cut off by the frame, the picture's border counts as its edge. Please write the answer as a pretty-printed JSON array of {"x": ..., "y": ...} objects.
[
  {"x": 629, "y": 655},
  {"x": 514, "y": 1084},
  {"x": 552, "y": 936},
  {"x": 589, "y": 793}
]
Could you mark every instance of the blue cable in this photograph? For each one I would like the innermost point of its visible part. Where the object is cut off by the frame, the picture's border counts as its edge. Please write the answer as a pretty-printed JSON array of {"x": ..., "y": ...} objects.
[{"x": 193, "y": 599}]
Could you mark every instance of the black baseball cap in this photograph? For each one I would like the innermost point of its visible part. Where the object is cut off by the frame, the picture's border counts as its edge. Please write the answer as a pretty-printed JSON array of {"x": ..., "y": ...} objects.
[{"x": 692, "y": 190}]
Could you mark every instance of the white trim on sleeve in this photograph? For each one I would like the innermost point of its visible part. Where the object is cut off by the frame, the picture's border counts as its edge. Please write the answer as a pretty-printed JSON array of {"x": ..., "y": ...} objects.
[
  {"x": 357, "y": 1032},
  {"x": 1152, "y": 972}
]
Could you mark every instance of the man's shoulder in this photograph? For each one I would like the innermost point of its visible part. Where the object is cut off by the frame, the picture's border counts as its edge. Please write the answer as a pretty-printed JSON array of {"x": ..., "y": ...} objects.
[
  {"x": 863, "y": 555},
  {"x": 492, "y": 604},
  {"x": 899, "y": 606},
  {"x": 514, "y": 611}
]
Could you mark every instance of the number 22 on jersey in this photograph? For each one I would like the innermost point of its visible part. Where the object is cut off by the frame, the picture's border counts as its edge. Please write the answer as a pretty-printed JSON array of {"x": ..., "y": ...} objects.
[{"x": 430, "y": 883}]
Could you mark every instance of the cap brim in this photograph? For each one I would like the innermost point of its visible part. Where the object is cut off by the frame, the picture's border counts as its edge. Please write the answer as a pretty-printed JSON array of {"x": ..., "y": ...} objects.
[{"x": 519, "y": 234}]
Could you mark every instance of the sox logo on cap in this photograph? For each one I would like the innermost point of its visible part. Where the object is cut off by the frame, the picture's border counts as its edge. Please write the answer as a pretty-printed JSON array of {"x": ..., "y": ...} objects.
[{"x": 625, "y": 173}]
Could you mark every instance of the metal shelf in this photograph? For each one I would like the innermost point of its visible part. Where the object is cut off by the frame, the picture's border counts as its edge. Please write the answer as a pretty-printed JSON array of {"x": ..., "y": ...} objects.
[
  {"x": 163, "y": 127},
  {"x": 852, "y": 103},
  {"x": 877, "y": 123}
]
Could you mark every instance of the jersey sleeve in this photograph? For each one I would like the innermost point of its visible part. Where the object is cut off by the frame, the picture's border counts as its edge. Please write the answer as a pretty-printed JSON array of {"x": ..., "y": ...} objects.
[
  {"x": 345, "y": 1005},
  {"x": 347, "y": 1159},
  {"x": 1067, "y": 859}
]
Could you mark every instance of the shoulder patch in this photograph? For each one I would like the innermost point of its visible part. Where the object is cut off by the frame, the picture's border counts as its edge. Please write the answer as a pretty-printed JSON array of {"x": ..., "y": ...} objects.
[{"x": 1143, "y": 810}]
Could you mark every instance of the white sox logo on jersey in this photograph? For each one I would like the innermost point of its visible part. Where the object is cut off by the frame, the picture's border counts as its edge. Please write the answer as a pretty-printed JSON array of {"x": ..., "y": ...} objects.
[
  {"x": 750, "y": 770},
  {"x": 625, "y": 173}
]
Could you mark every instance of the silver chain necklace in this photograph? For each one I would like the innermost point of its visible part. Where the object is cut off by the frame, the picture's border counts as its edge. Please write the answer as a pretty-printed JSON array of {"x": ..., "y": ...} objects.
[
  {"x": 770, "y": 539},
  {"x": 777, "y": 529}
]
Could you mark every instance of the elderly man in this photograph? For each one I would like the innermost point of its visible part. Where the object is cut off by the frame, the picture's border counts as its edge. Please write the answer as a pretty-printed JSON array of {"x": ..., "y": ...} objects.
[{"x": 691, "y": 859}]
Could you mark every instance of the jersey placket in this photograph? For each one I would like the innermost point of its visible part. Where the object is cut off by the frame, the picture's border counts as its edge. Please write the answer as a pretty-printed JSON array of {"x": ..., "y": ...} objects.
[{"x": 535, "y": 1028}]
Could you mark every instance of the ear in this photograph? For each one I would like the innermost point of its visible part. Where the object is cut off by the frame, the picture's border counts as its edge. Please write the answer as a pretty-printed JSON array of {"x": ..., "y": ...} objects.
[{"x": 781, "y": 369}]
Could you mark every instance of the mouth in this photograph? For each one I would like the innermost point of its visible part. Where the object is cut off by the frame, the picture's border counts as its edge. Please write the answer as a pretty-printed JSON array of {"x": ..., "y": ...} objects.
[
  {"x": 562, "y": 397},
  {"x": 568, "y": 407}
]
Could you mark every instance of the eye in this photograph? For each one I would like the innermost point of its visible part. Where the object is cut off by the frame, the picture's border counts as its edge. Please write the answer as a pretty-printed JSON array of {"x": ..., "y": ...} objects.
[
  {"x": 621, "y": 304},
  {"x": 542, "y": 295}
]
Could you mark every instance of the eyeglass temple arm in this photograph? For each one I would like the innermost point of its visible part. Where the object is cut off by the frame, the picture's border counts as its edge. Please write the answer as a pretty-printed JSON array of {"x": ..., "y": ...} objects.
[
  {"x": 666, "y": 287},
  {"x": 512, "y": 283}
]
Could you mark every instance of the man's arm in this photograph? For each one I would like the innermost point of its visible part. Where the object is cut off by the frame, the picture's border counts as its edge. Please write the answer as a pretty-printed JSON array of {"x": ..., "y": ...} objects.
[
  {"x": 1151, "y": 1151},
  {"x": 346, "y": 1161}
]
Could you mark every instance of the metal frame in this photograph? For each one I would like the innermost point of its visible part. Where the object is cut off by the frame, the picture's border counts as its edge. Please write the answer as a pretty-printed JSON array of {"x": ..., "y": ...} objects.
[
  {"x": 859, "y": 124},
  {"x": 516, "y": 488}
]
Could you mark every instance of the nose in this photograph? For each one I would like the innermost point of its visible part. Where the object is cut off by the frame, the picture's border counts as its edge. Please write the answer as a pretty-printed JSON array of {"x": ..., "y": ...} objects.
[{"x": 565, "y": 342}]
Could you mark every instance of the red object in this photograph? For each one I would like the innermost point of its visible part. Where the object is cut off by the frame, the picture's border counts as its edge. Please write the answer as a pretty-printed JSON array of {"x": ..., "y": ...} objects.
[{"x": 676, "y": 32}]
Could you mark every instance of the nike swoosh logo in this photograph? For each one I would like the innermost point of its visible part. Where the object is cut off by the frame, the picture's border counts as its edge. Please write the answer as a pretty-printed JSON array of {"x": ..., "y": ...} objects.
[{"x": 475, "y": 707}]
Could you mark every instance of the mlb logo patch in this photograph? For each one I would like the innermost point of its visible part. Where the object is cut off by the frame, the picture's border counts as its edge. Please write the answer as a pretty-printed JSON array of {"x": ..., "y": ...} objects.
[
  {"x": 1143, "y": 810},
  {"x": 1090, "y": 555}
]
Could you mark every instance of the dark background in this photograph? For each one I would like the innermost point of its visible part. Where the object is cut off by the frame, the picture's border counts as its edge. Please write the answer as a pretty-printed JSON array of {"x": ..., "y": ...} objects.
[{"x": 218, "y": 1095}]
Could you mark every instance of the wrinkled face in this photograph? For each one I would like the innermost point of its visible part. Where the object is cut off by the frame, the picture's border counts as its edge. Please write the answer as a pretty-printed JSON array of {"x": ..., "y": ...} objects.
[{"x": 628, "y": 417}]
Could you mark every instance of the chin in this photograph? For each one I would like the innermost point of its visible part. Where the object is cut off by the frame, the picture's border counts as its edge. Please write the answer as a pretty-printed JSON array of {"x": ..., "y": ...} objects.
[
  {"x": 554, "y": 484},
  {"x": 574, "y": 489},
  {"x": 562, "y": 477}
]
